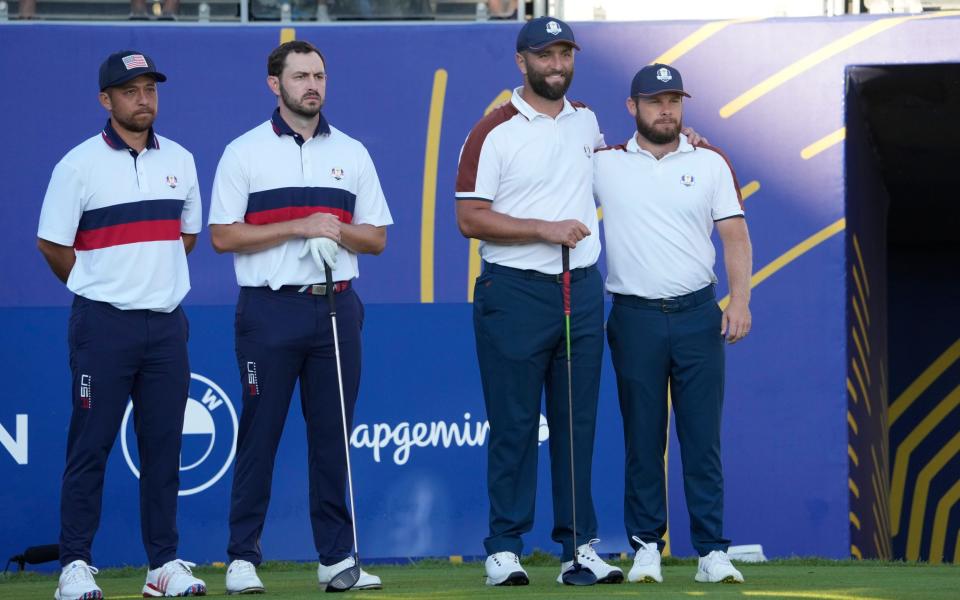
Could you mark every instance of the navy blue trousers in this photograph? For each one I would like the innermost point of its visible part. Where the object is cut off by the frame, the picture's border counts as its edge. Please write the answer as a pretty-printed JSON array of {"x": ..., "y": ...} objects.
[
  {"x": 282, "y": 337},
  {"x": 654, "y": 342},
  {"x": 519, "y": 326},
  {"x": 115, "y": 355}
]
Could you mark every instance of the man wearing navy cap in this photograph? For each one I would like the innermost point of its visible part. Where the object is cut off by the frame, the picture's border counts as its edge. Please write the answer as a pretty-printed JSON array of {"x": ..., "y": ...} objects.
[
  {"x": 662, "y": 198},
  {"x": 525, "y": 189},
  {"x": 121, "y": 213}
]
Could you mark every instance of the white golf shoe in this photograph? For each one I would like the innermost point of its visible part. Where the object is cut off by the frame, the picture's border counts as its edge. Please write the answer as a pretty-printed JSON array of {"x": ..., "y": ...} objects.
[
  {"x": 646, "y": 564},
  {"x": 716, "y": 568},
  {"x": 77, "y": 583},
  {"x": 366, "y": 581},
  {"x": 503, "y": 568},
  {"x": 173, "y": 579},
  {"x": 242, "y": 578},
  {"x": 588, "y": 557}
]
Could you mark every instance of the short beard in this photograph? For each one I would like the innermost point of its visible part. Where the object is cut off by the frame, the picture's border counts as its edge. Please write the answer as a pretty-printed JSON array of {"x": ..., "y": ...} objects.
[
  {"x": 538, "y": 82},
  {"x": 655, "y": 136},
  {"x": 133, "y": 126},
  {"x": 298, "y": 108}
]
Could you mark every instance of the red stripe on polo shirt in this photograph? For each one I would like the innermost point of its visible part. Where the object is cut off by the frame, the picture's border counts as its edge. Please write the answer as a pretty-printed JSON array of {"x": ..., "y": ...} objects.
[
  {"x": 128, "y": 233},
  {"x": 470, "y": 157},
  {"x": 289, "y": 213},
  {"x": 736, "y": 183}
]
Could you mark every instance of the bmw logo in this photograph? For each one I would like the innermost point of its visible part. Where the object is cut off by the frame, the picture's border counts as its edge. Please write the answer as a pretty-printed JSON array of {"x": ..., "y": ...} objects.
[{"x": 209, "y": 437}]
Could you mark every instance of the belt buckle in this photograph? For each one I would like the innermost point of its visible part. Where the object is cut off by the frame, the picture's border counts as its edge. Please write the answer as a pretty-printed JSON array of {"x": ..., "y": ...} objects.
[
  {"x": 669, "y": 304},
  {"x": 318, "y": 289}
]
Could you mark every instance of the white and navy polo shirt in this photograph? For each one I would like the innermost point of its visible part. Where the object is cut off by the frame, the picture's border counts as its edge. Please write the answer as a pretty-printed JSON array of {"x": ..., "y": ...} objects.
[
  {"x": 532, "y": 166},
  {"x": 123, "y": 214},
  {"x": 658, "y": 216},
  {"x": 271, "y": 174}
]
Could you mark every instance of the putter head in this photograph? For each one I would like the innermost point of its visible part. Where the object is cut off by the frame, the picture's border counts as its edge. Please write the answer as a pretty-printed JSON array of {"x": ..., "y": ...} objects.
[
  {"x": 578, "y": 575},
  {"x": 346, "y": 579}
]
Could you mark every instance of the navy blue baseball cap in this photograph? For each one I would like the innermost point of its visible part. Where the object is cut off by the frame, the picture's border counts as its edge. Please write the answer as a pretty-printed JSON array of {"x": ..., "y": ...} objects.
[
  {"x": 657, "y": 79},
  {"x": 537, "y": 34},
  {"x": 121, "y": 67}
]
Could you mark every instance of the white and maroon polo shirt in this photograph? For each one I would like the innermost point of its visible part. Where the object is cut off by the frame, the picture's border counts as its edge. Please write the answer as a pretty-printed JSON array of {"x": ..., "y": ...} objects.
[
  {"x": 532, "y": 166},
  {"x": 658, "y": 216},
  {"x": 123, "y": 214}
]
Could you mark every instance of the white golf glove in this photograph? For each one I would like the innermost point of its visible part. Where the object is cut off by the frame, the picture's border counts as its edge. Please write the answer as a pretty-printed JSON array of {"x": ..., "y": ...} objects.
[{"x": 322, "y": 249}]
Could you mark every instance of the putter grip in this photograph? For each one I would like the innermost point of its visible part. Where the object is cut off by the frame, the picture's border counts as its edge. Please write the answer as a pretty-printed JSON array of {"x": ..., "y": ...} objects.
[
  {"x": 566, "y": 279},
  {"x": 330, "y": 291}
]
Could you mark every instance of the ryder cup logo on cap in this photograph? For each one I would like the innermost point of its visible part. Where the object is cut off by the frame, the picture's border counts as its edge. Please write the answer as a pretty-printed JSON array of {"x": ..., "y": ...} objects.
[
  {"x": 657, "y": 79},
  {"x": 121, "y": 67},
  {"x": 209, "y": 437},
  {"x": 541, "y": 32}
]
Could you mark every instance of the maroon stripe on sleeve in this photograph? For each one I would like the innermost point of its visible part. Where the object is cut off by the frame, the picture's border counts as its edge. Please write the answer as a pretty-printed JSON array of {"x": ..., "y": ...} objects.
[
  {"x": 621, "y": 147},
  {"x": 470, "y": 157},
  {"x": 736, "y": 183}
]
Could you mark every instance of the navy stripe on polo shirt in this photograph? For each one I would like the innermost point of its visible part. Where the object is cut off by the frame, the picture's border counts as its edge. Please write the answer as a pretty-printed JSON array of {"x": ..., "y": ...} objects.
[
  {"x": 129, "y": 223},
  {"x": 286, "y": 204}
]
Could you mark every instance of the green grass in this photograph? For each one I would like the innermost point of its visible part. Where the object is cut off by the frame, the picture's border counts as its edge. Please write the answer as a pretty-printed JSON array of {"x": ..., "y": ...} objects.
[{"x": 794, "y": 578}]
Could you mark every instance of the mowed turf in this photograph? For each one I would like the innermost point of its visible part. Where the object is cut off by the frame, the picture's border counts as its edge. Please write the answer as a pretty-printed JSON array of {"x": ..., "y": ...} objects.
[{"x": 798, "y": 578}]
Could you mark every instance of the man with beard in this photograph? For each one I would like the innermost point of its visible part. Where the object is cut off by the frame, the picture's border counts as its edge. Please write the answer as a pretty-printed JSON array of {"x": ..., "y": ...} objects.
[
  {"x": 121, "y": 213},
  {"x": 291, "y": 187},
  {"x": 524, "y": 188},
  {"x": 661, "y": 199}
]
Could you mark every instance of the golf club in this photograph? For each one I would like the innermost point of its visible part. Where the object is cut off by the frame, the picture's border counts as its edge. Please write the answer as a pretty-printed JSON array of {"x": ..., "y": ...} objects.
[
  {"x": 346, "y": 579},
  {"x": 576, "y": 574}
]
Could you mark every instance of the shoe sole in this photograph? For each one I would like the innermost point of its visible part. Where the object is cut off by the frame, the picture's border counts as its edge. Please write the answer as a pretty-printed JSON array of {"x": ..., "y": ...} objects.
[
  {"x": 727, "y": 579},
  {"x": 249, "y": 590},
  {"x": 612, "y": 577},
  {"x": 515, "y": 578},
  {"x": 86, "y": 596},
  {"x": 646, "y": 579},
  {"x": 194, "y": 590}
]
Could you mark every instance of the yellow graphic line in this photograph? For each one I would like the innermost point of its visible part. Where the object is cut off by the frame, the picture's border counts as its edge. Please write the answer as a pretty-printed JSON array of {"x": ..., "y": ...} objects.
[
  {"x": 920, "y": 385},
  {"x": 855, "y": 552},
  {"x": 823, "y": 143},
  {"x": 749, "y": 189},
  {"x": 901, "y": 461},
  {"x": 922, "y": 490},
  {"x": 473, "y": 267},
  {"x": 861, "y": 297},
  {"x": 791, "y": 255},
  {"x": 430, "y": 162},
  {"x": 695, "y": 39},
  {"x": 863, "y": 388},
  {"x": 853, "y": 393},
  {"x": 863, "y": 329},
  {"x": 853, "y": 488},
  {"x": 881, "y": 492},
  {"x": 850, "y": 420},
  {"x": 863, "y": 356},
  {"x": 938, "y": 542},
  {"x": 287, "y": 34},
  {"x": 853, "y": 455},
  {"x": 854, "y": 520},
  {"x": 863, "y": 269},
  {"x": 818, "y": 595},
  {"x": 811, "y": 60}
]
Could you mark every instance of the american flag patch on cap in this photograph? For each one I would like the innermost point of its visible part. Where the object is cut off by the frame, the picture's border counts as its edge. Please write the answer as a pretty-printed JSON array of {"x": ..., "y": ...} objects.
[{"x": 135, "y": 61}]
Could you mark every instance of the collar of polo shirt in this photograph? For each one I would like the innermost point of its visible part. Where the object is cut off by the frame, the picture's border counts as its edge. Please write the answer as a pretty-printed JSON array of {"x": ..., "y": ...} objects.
[
  {"x": 685, "y": 146},
  {"x": 280, "y": 126},
  {"x": 113, "y": 139},
  {"x": 531, "y": 113}
]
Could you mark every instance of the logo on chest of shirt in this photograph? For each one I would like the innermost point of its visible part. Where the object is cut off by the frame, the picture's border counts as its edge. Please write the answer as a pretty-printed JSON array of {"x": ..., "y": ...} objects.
[
  {"x": 587, "y": 150},
  {"x": 172, "y": 181},
  {"x": 336, "y": 173},
  {"x": 687, "y": 180}
]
